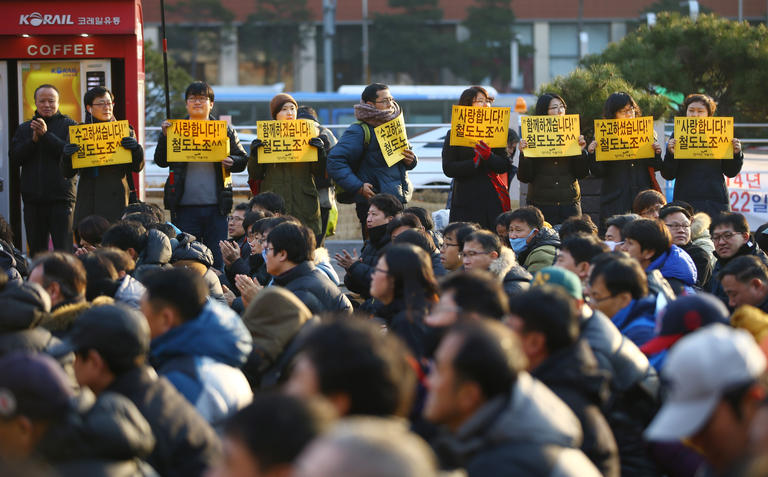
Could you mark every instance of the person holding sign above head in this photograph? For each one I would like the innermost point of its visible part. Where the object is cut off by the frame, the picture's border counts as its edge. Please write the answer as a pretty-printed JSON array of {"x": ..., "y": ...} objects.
[
  {"x": 103, "y": 190},
  {"x": 700, "y": 182},
  {"x": 623, "y": 179},
  {"x": 553, "y": 185},
  {"x": 291, "y": 178},
  {"x": 199, "y": 194},
  {"x": 481, "y": 174}
]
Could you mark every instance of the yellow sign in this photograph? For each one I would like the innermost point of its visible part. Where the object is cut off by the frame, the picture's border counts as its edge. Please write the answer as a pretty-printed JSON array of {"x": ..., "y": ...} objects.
[
  {"x": 551, "y": 136},
  {"x": 470, "y": 124},
  {"x": 392, "y": 140},
  {"x": 100, "y": 144},
  {"x": 704, "y": 138},
  {"x": 624, "y": 139},
  {"x": 197, "y": 141},
  {"x": 287, "y": 141}
]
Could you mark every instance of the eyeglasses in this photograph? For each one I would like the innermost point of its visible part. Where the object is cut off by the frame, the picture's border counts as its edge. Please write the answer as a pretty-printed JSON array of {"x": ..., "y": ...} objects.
[
  {"x": 105, "y": 104},
  {"x": 723, "y": 236},
  {"x": 234, "y": 218},
  {"x": 197, "y": 99},
  {"x": 381, "y": 270},
  {"x": 483, "y": 101},
  {"x": 595, "y": 300},
  {"x": 678, "y": 226},
  {"x": 446, "y": 245},
  {"x": 267, "y": 249},
  {"x": 472, "y": 253},
  {"x": 385, "y": 101}
]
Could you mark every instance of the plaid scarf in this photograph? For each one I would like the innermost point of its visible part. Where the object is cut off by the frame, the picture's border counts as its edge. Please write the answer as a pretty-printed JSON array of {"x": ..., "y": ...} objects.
[{"x": 375, "y": 117}]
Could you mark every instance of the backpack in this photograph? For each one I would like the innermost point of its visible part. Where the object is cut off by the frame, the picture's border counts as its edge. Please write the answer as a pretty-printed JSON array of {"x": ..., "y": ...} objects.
[{"x": 343, "y": 196}]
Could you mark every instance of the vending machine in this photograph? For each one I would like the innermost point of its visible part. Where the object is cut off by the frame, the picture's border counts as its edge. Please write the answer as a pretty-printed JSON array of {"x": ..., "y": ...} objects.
[{"x": 73, "y": 45}]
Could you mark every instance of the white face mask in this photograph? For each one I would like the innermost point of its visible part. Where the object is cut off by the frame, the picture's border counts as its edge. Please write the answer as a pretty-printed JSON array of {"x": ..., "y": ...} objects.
[{"x": 613, "y": 245}]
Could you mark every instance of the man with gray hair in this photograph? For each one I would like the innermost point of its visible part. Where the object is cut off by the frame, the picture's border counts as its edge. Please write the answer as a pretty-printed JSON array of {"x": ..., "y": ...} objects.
[{"x": 367, "y": 447}]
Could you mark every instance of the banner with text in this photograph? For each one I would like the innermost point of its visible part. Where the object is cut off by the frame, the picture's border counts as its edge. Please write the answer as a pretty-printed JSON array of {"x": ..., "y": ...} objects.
[
  {"x": 287, "y": 141},
  {"x": 470, "y": 124},
  {"x": 748, "y": 195},
  {"x": 624, "y": 139},
  {"x": 392, "y": 140},
  {"x": 704, "y": 138},
  {"x": 100, "y": 144},
  {"x": 197, "y": 141},
  {"x": 551, "y": 136}
]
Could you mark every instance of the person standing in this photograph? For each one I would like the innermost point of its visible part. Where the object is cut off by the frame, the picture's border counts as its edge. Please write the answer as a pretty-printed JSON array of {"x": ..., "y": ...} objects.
[
  {"x": 103, "y": 190},
  {"x": 49, "y": 197},
  {"x": 481, "y": 174},
  {"x": 195, "y": 192}
]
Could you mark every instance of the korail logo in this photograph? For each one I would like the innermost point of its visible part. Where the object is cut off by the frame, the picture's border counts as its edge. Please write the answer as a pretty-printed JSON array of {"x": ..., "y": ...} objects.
[{"x": 36, "y": 19}]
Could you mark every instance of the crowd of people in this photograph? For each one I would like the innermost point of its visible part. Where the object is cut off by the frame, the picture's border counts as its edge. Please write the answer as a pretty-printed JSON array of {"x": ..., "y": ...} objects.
[{"x": 528, "y": 341}]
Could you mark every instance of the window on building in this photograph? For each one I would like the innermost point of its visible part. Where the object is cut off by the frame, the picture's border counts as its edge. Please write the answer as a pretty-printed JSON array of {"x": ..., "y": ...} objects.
[{"x": 564, "y": 45}]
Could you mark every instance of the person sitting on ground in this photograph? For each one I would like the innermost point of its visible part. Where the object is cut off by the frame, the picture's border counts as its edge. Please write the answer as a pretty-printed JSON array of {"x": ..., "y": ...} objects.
[
  {"x": 129, "y": 290},
  {"x": 577, "y": 252},
  {"x": 678, "y": 222},
  {"x": 150, "y": 249},
  {"x": 198, "y": 344},
  {"x": 427, "y": 223},
  {"x": 473, "y": 295},
  {"x": 88, "y": 233},
  {"x": 581, "y": 224},
  {"x": 613, "y": 227},
  {"x": 648, "y": 203},
  {"x": 745, "y": 281},
  {"x": 649, "y": 242},
  {"x": 453, "y": 243},
  {"x": 268, "y": 202},
  {"x": 534, "y": 244},
  {"x": 401, "y": 223},
  {"x": 193, "y": 255},
  {"x": 547, "y": 323},
  {"x": 236, "y": 245},
  {"x": 501, "y": 227},
  {"x": 421, "y": 239},
  {"x": 483, "y": 251}
]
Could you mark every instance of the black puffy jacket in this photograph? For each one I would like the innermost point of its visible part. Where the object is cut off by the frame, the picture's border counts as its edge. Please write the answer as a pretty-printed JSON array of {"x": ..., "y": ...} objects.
[
  {"x": 553, "y": 180},
  {"x": 358, "y": 276},
  {"x": 314, "y": 288}
]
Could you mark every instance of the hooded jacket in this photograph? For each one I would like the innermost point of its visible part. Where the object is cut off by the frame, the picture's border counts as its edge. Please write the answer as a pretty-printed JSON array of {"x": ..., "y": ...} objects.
[
  {"x": 573, "y": 375},
  {"x": 187, "y": 248},
  {"x": 541, "y": 252},
  {"x": 677, "y": 267},
  {"x": 314, "y": 289},
  {"x": 530, "y": 432},
  {"x": 40, "y": 162},
  {"x": 514, "y": 278},
  {"x": 203, "y": 357},
  {"x": 637, "y": 321}
]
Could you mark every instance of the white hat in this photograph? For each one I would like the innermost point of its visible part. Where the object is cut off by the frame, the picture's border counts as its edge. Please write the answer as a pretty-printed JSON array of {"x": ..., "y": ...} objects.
[{"x": 699, "y": 369}]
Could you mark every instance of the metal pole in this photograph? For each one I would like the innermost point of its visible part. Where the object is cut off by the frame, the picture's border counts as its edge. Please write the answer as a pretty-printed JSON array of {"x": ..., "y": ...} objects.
[
  {"x": 581, "y": 28},
  {"x": 741, "y": 10},
  {"x": 366, "y": 65},
  {"x": 165, "y": 61},
  {"x": 514, "y": 59},
  {"x": 329, "y": 29}
]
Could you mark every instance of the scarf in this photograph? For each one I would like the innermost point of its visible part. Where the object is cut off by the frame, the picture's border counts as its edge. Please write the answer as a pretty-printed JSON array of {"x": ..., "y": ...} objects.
[{"x": 375, "y": 117}]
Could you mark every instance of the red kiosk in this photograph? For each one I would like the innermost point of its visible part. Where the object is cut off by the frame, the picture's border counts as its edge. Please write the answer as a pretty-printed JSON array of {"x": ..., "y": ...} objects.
[{"x": 74, "y": 45}]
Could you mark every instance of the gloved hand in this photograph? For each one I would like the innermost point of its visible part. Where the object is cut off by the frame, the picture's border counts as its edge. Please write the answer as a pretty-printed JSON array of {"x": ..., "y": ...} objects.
[
  {"x": 70, "y": 149},
  {"x": 255, "y": 144},
  {"x": 130, "y": 143},
  {"x": 483, "y": 150},
  {"x": 317, "y": 142}
]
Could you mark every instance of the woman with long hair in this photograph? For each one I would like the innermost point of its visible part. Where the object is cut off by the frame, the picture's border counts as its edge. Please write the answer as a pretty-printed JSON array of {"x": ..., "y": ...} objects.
[
  {"x": 623, "y": 180},
  {"x": 553, "y": 182},
  {"x": 701, "y": 183},
  {"x": 480, "y": 174},
  {"x": 403, "y": 281}
]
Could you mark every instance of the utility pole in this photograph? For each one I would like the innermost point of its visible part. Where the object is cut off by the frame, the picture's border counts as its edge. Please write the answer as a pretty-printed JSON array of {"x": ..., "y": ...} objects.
[
  {"x": 366, "y": 48},
  {"x": 329, "y": 30}
]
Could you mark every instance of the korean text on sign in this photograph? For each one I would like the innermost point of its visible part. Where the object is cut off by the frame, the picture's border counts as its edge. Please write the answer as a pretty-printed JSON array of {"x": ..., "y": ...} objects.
[
  {"x": 748, "y": 195},
  {"x": 197, "y": 141},
  {"x": 624, "y": 139},
  {"x": 551, "y": 136},
  {"x": 287, "y": 141},
  {"x": 704, "y": 138},
  {"x": 100, "y": 144},
  {"x": 470, "y": 124},
  {"x": 392, "y": 139}
]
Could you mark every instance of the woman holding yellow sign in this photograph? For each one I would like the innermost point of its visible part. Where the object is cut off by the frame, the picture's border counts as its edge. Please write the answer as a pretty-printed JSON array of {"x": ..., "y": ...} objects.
[
  {"x": 700, "y": 182},
  {"x": 553, "y": 181},
  {"x": 623, "y": 179},
  {"x": 103, "y": 190},
  {"x": 481, "y": 174},
  {"x": 291, "y": 178}
]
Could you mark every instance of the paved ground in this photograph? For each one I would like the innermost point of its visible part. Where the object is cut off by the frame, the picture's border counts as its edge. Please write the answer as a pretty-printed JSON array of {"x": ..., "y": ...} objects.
[{"x": 336, "y": 246}]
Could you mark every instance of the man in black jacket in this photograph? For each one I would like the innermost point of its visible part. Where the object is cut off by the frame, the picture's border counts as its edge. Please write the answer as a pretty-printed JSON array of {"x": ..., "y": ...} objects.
[
  {"x": 49, "y": 197},
  {"x": 290, "y": 248},
  {"x": 547, "y": 322},
  {"x": 111, "y": 345}
]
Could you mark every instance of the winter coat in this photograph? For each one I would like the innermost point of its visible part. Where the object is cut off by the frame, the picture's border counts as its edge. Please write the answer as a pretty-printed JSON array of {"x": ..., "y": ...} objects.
[
  {"x": 637, "y": 321},
  {"x": 106, "y": 438},
  {"x": 13, "y": 262},
  {"x": 103, "y": 190},
  {"x": 187, "y": 248},
  {"x": 634, "y": 386},
  {"x": 622, "y": 181},
  {"x": 407, "y": 324},
  {"x": 701, "y": 182},
  {"x": 202, "y": 358},
  {"x": 40, "y": 162},
  {"x": 130, "y": 292},
  {"x": 25, "y": 305},
  {"x": 473, "y": 198},
  {"x": 702, "y": 259},
  {"x": 530, "y": 432},
  {"x": 677, "y": 267},
  {"x": 295, "y": 183},
  {"x": 314, "y": 289},
  {"x": 541, "y": 252},
  {"x": 63, "y": 315},
  {"x": 186, "y": 445},
  {"x": 351, "y": 164},
  {"x": 573, "y": 375},
  {"x": 174, "y": 186},
  {"x": 156, "y": 254},
  {"x": 514, "y": 278},
  {"x": 749, "y": 248},
  {"x": 553, "y": 180},
  {"x": 358, "y": 276}
]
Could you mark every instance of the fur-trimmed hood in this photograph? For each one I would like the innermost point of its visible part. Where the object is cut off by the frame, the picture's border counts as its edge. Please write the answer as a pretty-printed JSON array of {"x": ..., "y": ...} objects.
[{"x": 503, "y": 263}]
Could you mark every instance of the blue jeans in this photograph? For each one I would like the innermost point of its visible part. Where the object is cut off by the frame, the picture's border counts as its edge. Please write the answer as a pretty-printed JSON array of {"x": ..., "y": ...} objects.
[{"x": 207, "y": 224}]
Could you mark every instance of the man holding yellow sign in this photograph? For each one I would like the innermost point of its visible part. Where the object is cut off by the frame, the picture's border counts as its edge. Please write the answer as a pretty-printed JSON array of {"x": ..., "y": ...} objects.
[
  {"x": 710, "y": 150},
  {"x": 105, "y": 153},
  {"x": 286, "y": 158},
  {"x": 199, "y": 194},
  {"x": 552, "y": 159}
]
